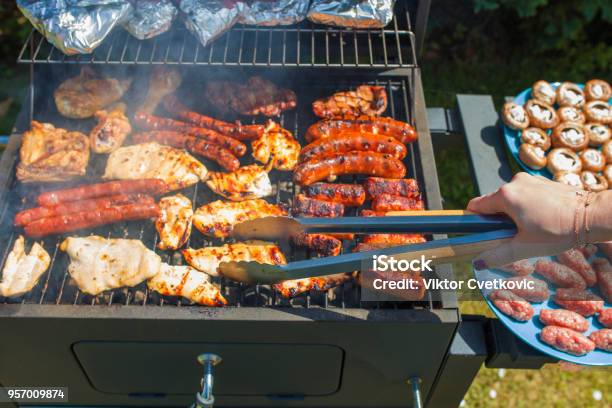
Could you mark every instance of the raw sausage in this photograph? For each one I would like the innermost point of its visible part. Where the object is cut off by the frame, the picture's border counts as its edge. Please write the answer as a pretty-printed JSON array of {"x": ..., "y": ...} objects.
[
  {"x": 146, "y": 121},
  {"x": 512, "y": 305},
  {"x": 401, "y": 131},
  {"x": 564, "y": 318},
  {"x": 375, "y": 186},
  {"x": 373, "y": 164},
  {"x": 603, "y": 269},
  {"x": 538, "y": 294},
  {"x": 559, "y": 275},
  {"x": 349, "y": 195},
  {"x": 575, "y": 260},
  {"x": 388, "y": 202},
  {"x": 347, "y": 142},
  {"x": 567, "y": 340},
  {"x": 579, "y": 300},
  {"x": 145, "y": 186}
]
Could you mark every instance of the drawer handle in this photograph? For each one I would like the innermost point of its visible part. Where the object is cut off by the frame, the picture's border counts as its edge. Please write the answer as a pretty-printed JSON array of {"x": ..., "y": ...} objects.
[
  {"x": 205, "y": 399},
  {"x": 415, "y": 386}
]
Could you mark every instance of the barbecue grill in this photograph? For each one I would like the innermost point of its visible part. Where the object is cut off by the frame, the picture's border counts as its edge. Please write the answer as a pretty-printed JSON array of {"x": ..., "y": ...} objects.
[{"x": 131, "y": 347}]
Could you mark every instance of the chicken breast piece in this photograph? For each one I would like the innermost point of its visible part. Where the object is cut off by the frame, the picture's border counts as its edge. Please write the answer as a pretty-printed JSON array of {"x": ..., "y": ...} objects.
[
  {"x": 81, "y": 96},
  {"x": 22, "y": 271},
  {"x": 279, "y": 145},
  {"x": 295, "y": 287},
  {"x": 177, "y": 168},
  {"x": 174, "y": 221},
  {"x": 187, "y": 282},
  {"x": 207, "y": 259},
  {"x": 98, "y": 264},
  {"x": 48, "y": 153},
  {"x": 112, "y": 129},
  {"x": 243, "y": 184},
  {"x": 217, "y": 219}
]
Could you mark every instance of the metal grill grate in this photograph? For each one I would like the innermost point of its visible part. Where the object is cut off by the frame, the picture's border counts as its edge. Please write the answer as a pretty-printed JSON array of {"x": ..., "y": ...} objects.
[
  {"x": 305, "y": 44},
  {"x": 55, "y": 286}
]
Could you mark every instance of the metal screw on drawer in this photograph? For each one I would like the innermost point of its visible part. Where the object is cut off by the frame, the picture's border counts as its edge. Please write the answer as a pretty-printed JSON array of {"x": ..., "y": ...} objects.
[
  {"x": 415, "y": 385},
  {"x": 205, "y": 399}
]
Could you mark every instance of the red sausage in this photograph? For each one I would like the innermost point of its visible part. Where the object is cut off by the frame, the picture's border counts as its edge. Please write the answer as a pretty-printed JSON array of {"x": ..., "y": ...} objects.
[
  {"x": 348, "y": 142},
  {"x": 559, "y": 275},
  {"x": 32, "y": 214},
  {"x": 567, "y": 340},
  {"x": 564, "y": 318},
  {"x": 89, "y": 219},
  {"x": 575, "y": 260},
  {"x": 373, "y": 164},
  {"x": 375, "y": 186},
  {"x": 603, "y": 269},
  {"x": 151, "y": 122},
  {"x": 237, "y": 131},
  {"x": 145, "y": 186},
  {"x": 349, "y": 195},
  {"x": 579, "y": 300},
  {"x": 512, "y": 305},
  {"x": 401, "y": 131},
  {"x": 201, "y": 147},
  {"x": 388, "y": 202}
]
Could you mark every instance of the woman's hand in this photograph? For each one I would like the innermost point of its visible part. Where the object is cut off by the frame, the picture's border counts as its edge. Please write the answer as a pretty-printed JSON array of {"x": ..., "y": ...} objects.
[{"x": 544, "y": 212}]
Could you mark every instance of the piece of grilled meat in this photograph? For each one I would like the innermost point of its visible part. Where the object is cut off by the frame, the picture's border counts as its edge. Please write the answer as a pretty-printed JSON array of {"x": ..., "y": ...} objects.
[
  {"x": 296, "y": 287},
  {"x": 163, "y": 81},
  {"x": 174, "y": 221},
  {"x": 22, "y": 271},
  {"x": 187, "y": 282},
  {"x": 324, "y": 245},
  {"x": 311, "y": 207},
  {"x": 112, "y": 129},
  {"x": 365, "y": 100},
  {"x": 247, "y": 182},
  {"x": 277, "y": 144},
  {"x": 349, "y": 195}
]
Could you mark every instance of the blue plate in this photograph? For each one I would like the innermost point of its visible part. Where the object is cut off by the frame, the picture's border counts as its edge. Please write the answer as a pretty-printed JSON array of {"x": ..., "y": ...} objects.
[
  {"x": 529, "y": 331},
  {"x": 513, "y": 137}
]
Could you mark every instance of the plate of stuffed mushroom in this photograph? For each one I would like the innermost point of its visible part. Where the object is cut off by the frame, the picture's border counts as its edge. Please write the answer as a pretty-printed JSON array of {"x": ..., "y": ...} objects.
[{"x": 563, "y": 131}]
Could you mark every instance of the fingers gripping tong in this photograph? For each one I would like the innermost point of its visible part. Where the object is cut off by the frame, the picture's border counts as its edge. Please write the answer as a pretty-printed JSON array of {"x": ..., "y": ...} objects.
[{"x": 487, "y": 232}]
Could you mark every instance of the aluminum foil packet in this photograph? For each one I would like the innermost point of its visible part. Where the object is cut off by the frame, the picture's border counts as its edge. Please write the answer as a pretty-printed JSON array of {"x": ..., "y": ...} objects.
[
  {"x": 150, "y": 18},
  {"x": 73, "y": 29},
  {"x": 352, "y": 13},
  {"x": 208, "y": 19},
  {"x": 275, "y": 12}
]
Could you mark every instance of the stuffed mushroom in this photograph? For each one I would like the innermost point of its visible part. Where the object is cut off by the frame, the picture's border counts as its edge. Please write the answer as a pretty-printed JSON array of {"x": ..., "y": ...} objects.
[
  {"x": 571, "y": 114},
  {"x": 569, "y": 178},
  {"x": 592, "y": 160},
  {"x": 593, "y": 182},
  {"x": 597, "y": 90},
  {"x": 514, "y": 116},
  {"x": 597, "y": 133},
  {"x": 543, "y": 91},
  {"x": 541, "y": 114},
  {"x": 570, "y": 94},
  {"x": 536, "y": 137},
  {"x": 607, "y": 173},
  {"x": 598, "y": 111},
  {"x": 533, "y": 156},
  {"x": 570, "y": 135},
  {"x": 563, "y": 159}
]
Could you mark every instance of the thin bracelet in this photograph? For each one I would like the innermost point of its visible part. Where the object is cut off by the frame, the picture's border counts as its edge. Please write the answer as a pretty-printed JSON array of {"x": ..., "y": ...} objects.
[{"x": 581, "y": 233}]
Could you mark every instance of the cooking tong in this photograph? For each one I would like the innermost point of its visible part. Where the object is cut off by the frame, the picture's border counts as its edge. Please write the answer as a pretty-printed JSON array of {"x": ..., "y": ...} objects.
[{"x": 487, "y": 232}]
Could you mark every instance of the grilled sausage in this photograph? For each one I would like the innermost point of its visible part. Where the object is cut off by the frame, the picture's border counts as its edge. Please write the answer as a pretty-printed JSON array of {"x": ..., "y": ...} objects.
[
  {"x": 375, "y": 186},
  {"x": 145, "y": 186},
  {"x": 146, "y": 121},
  {"x": 401, "y": 131},
  {"x": 237, "y": 131},
  {"x": 349, "y": 195},
  {"x": 201, "y": 147},
  {"x": 310, "y": 207},
  {"x": 89, "y": 219},
  {"x": 324, "y": 245},
  {"x": 373, "y": 164},
  {"x": 347, "y": 142},
  {"x": 388, "y": 202},
  {"x": 32, "y": 214}
]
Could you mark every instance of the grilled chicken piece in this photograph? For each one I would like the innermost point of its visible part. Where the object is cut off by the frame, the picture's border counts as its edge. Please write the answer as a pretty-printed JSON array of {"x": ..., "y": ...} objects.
[
  {"x": 207, "y": 259},
  {"x": 22, "y": 271},
  {"x": 277, "y": 144},
  {"x": 112, "y": 129},
  {"x": 174, "y": 221},
  {"x": 257, "y": 97},
  {"x": 311, "y": 207},
  {"x": 163, "y": 81},
  {"x": 243, "y": 184},
  {"x": 52, "y": 154},
  {"x": 365, "y": 100},
  {"x": 82, "y": 96},
  {"x": 389, "y": 240},
  {"x": 295, "y": 287},
  {"x": 186, "y": 282},
  {"x": 177, "y": 168},
  {"x": 98, "y": 264},
  {"x": 324, "y": 245},
  {"x": 217, "y": 219}
]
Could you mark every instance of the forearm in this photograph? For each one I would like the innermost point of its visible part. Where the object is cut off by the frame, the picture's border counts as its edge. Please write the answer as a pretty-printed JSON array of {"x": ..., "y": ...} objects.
[{"x": 600, "y": 217}]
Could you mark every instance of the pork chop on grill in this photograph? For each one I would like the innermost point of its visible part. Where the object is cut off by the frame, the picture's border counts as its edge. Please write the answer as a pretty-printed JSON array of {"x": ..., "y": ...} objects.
[
  {"x": 207, "y": 259},
  {"x": 98, "y": 264},
  {"x": 177, "y": 168},
  {"x": 217, "y": 219},
  {"x": 279, "y": 145},
  {"x": 247, "y": 182},
  {"x": 48, "y": 153},
  {"x": 187, "y": 282},
  {"x": 174, "y": 221},
  {"x": 22, "y": 271}
]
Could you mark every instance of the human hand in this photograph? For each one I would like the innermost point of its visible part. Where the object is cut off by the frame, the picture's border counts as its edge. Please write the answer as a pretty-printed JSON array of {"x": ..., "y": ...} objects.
[{"x": 543, "y": 211}]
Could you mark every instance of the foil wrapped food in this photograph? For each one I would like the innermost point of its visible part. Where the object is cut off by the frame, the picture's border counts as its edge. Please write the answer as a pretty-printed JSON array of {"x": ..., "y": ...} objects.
[
  {"x": 352, "y": 13},
  {"x": 72, "y": 28},
  {"x": 275, "y": 12},
  {"x": 208, "y": 19},
  {"x": 151, "y": 18}
]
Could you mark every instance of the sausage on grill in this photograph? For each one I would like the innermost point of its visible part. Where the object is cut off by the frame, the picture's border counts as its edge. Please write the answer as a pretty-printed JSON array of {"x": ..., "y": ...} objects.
[
  {"x": 373, "y": 164},
  {"x": 237, "y": 131},
  {"x": 145, "y": 186},
  {"x": 151, "y": 122},
  {"x": 401, "y": 131},
  {"x": 201, "y": 147},
  {"x": 348, "y": 142},
  {"x": 375, "y": 186},
  {"x": 310, "y": 207},
  {"x": 349, "y": 195},
  {"x": 89, "y": 219},
  {"x": 324, "y": 245},
  {"x": 388, "y": 202},
  {"x": 32, "y": 214}
]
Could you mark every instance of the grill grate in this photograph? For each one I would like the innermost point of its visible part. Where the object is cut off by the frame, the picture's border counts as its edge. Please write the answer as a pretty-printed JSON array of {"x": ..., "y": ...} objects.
[
  {"x": 305, "y": 44},
  {"x": 55, "y": 287}
]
